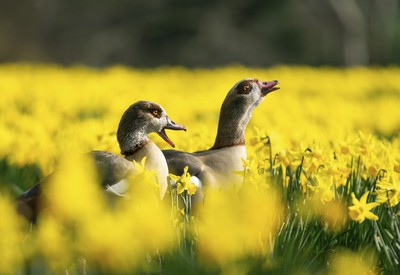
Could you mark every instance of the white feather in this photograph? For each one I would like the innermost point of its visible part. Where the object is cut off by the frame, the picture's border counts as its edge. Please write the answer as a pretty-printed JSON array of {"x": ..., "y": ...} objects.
[
  {"x": 193, "y": 179},
  {"x": 119, "y": 188}
]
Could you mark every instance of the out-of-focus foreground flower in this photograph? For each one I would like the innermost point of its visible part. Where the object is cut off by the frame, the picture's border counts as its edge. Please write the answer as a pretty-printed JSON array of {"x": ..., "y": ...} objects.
[
  {"x": 238, "y": 221},
  {"x": 11, "y": 238},
  {"x": 80, "y": 220}
]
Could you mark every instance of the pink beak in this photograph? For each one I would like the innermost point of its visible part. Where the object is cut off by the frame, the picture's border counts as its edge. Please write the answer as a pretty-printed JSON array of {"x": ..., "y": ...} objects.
[{"x": 268, "y": 86}]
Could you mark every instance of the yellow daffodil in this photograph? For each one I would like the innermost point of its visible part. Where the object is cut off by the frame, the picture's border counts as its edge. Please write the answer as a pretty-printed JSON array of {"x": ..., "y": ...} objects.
[
  {"x": 323, "y": 190},
  {"x": 388, "y": 189},
  {"x": 282, "y": 160},
  {"x": 183, "y": 182},
  {"x": 11, "y": 238},
  {"x": 361, "y": 210},
  {"x": 236, "y": 221},
  {"x": 346, "y": 262},
  {"x": 396, "y": 167},
  {"x": 140, "y": 167}
]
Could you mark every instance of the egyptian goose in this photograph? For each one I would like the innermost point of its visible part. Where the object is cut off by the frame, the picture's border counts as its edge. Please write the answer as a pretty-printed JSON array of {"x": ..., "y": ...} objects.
[
  {"x": 215, "y": 165},
  {"x": 137, "y": 122}
]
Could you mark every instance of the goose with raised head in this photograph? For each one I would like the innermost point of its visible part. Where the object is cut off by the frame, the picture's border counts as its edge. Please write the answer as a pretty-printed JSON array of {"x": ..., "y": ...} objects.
[
  {"x": 139, "y": 120},
  {"x": 215, "y": 165}
]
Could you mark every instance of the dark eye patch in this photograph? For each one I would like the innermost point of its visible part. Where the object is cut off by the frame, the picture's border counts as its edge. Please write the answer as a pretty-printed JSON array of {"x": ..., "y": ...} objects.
[
  {"x": 244, "y": 87},
  {"x": 155, "y": 111}
]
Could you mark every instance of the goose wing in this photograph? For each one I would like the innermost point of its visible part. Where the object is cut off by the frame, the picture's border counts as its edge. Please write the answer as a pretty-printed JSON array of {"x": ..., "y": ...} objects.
[
  {"x": 178, "y": 160},
  {"x": 111, "y": 168}
]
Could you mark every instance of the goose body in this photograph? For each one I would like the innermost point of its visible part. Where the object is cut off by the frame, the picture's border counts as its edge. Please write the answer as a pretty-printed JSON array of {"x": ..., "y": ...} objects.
[
  {"x": 137, "y": 122},
  {"x": 214, "y": 166},
  {"x": 211, "y": 167}
]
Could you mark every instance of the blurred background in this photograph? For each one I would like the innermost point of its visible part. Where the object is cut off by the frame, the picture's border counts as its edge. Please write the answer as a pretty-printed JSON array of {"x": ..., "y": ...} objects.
[{"x": 200, "y": 33}]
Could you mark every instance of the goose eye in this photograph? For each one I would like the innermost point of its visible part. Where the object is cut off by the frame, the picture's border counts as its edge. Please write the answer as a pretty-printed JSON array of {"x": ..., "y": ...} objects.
[
  {"x": 156, "y": 113},
  {"x": 244, "y": 88}
]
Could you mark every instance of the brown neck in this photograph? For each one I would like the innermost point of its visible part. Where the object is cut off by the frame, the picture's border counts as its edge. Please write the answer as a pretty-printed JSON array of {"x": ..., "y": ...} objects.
[{"x": 232, "y": 125}]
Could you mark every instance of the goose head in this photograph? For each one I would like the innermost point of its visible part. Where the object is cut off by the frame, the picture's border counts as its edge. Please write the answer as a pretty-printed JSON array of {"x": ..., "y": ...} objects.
[
  {"x": 237, "y": 109},
  {"x": 141, "y": 119},
  {"x": 250, "y": 92}
]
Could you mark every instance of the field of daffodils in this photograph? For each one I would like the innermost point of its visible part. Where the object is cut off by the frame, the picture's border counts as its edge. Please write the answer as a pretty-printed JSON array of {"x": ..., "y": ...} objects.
[{"x": 320, "y": 191}]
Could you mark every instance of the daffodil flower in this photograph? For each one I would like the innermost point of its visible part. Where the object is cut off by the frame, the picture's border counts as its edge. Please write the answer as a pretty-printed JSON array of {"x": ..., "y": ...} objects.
[
  {"x": 248, "y": 165},
  {"x": 396, "y": 166},
  {"x": 140, "y": 167},
  {"x": 142, "y": 174},
  {"x": 388, "y": 189},
  {"x": 183, "y": 182},
  {"x": 360, "y": 210}
]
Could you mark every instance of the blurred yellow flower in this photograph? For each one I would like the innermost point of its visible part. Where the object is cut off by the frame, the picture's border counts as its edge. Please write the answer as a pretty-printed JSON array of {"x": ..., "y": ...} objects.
[
  {"x": 345, "y": 149},
  {"x": 11, "y": 238},
  {"x": 388, "y": 189},
  {"x": 73, "y": 192},
  {"x": 54, "y": 243},
  {"x": 235, "y": 222},
  {"x": 360, "y": 210},
  {"x": 333, "y": 214},
  {"x": 345, "y": 262},
  {"x": 140, "y": 167},
  {"x": 118, "y": 236},
  {"x": 396, "y": 166},
  {"x": 123, "y": 238},
  {"x": 323, "y": 187}
]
